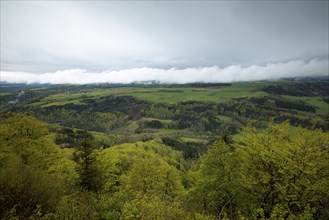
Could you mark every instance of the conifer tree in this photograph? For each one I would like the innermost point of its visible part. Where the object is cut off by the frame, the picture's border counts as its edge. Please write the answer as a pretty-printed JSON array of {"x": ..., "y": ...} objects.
[{"x": 88, "y": 170}]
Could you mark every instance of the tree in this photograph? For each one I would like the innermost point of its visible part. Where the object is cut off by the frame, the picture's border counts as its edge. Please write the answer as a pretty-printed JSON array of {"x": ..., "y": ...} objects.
[
  {"x": 153, "y": 207},
  {"x": 215, "y": 188},
  {"x": 143, "y": 181},
  {"x": 25, "y": 190},
  {"x": 90, "y": 178},
  {"x": 28, "y": 139},
  {"x": 152, "y": 176},
  {"x": 286, "y": 170},
  {"x": 31, "y": 182}
]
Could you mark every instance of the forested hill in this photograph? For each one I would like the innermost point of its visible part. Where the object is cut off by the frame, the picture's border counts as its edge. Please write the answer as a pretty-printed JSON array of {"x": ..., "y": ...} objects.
[
  {"x": 254, "y": 150},
  {"x": 191, "y": 115}
]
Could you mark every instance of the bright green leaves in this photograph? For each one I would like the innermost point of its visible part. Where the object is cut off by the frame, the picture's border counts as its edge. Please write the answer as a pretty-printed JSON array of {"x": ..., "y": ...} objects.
[
  {"x": 279, "y": 172},
  {"x": 33, "y": 170},
  {"x": 145, "y": 168},
  {"x": 152, "y": 176},
  {"x": 24, "y": 127},
  {"x": 216, "y": 181},
  {"x": 27, "y": 138},
  {"x": 284, "y": 167},
  {"x": 143, "y": 181}
]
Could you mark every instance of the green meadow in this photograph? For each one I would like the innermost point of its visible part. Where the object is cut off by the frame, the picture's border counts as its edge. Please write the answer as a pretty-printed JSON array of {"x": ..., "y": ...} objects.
[{"x": 161, "y": 95}]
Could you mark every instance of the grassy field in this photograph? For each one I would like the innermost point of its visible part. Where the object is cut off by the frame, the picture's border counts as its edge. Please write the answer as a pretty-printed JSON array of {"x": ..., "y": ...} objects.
[
  {"x": 158, "y": 95},
  {"x": 218, "y": 94},
  {"x": 161, "y": 120},
  {"x": 174, "y": 95},
  {"x": 4, "y": 93},
  {"x": 224, "y": 118},
  {"x": 322, "y": 108},
  {"x": 195, "y": 140}
]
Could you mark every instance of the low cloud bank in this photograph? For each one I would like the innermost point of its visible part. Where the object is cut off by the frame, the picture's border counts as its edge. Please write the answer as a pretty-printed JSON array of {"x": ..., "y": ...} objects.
[{"x": 271, "y": 71}]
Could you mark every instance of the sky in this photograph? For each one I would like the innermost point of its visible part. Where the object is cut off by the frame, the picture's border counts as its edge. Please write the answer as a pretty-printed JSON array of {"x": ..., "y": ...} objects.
[{"x": 83, "y": 42}]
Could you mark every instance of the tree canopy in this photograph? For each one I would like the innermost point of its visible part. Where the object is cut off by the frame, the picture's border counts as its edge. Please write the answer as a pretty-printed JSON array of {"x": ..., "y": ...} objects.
[{"x": 280, "y": 172}]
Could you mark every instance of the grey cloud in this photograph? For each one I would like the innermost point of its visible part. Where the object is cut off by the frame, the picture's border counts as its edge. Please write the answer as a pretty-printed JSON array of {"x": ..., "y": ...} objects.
[{"x": 49, "y": 36}]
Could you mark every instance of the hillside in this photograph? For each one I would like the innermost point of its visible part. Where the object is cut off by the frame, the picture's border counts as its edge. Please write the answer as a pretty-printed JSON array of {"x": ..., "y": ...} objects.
[
  {"x": 187, "y": 113},
  {"x": 137, "y": 151}
]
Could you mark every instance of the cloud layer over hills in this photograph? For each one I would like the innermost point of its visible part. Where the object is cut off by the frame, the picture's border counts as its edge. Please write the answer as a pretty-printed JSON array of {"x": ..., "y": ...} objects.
[{"x": 233, "y": 73}]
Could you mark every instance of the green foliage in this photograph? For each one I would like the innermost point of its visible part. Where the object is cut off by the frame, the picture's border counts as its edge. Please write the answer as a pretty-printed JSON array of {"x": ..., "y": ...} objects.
[
  {"x": 25, "y": 137},
  {"x": 276, "y": 173},
  {"x": 152, "y": 176},
  {"x": 81, "y": 205},
  {"x": 126, "y": 154},
  {"x": 118, "y": 160},
  {"x": 65, "y": 169},
  {"x": 143, "y": 179},
  {"x": 215, "y": 182},
  {"x": 31, "y": 179},
  {"x": 190, "y": 148},
  {"x": 284, "y": 169},
  {"x": 23, "y": 189},
  {"x": 280, "y": 172},
  {"x": 152, "y": 207},
  {"x": 90, "y": 178}
]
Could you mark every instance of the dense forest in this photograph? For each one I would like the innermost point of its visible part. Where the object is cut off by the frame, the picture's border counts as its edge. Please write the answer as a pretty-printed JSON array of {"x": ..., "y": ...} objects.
[{"x": 198, "y": 151}]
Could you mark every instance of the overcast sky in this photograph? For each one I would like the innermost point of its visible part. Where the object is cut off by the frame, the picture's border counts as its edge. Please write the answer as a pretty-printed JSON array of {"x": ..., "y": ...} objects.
[{"x": 145, "y": 40}]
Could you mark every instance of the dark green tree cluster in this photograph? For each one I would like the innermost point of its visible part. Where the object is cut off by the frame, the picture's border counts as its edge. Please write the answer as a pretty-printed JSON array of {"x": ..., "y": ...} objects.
[{"x": 90, "y": 178}]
